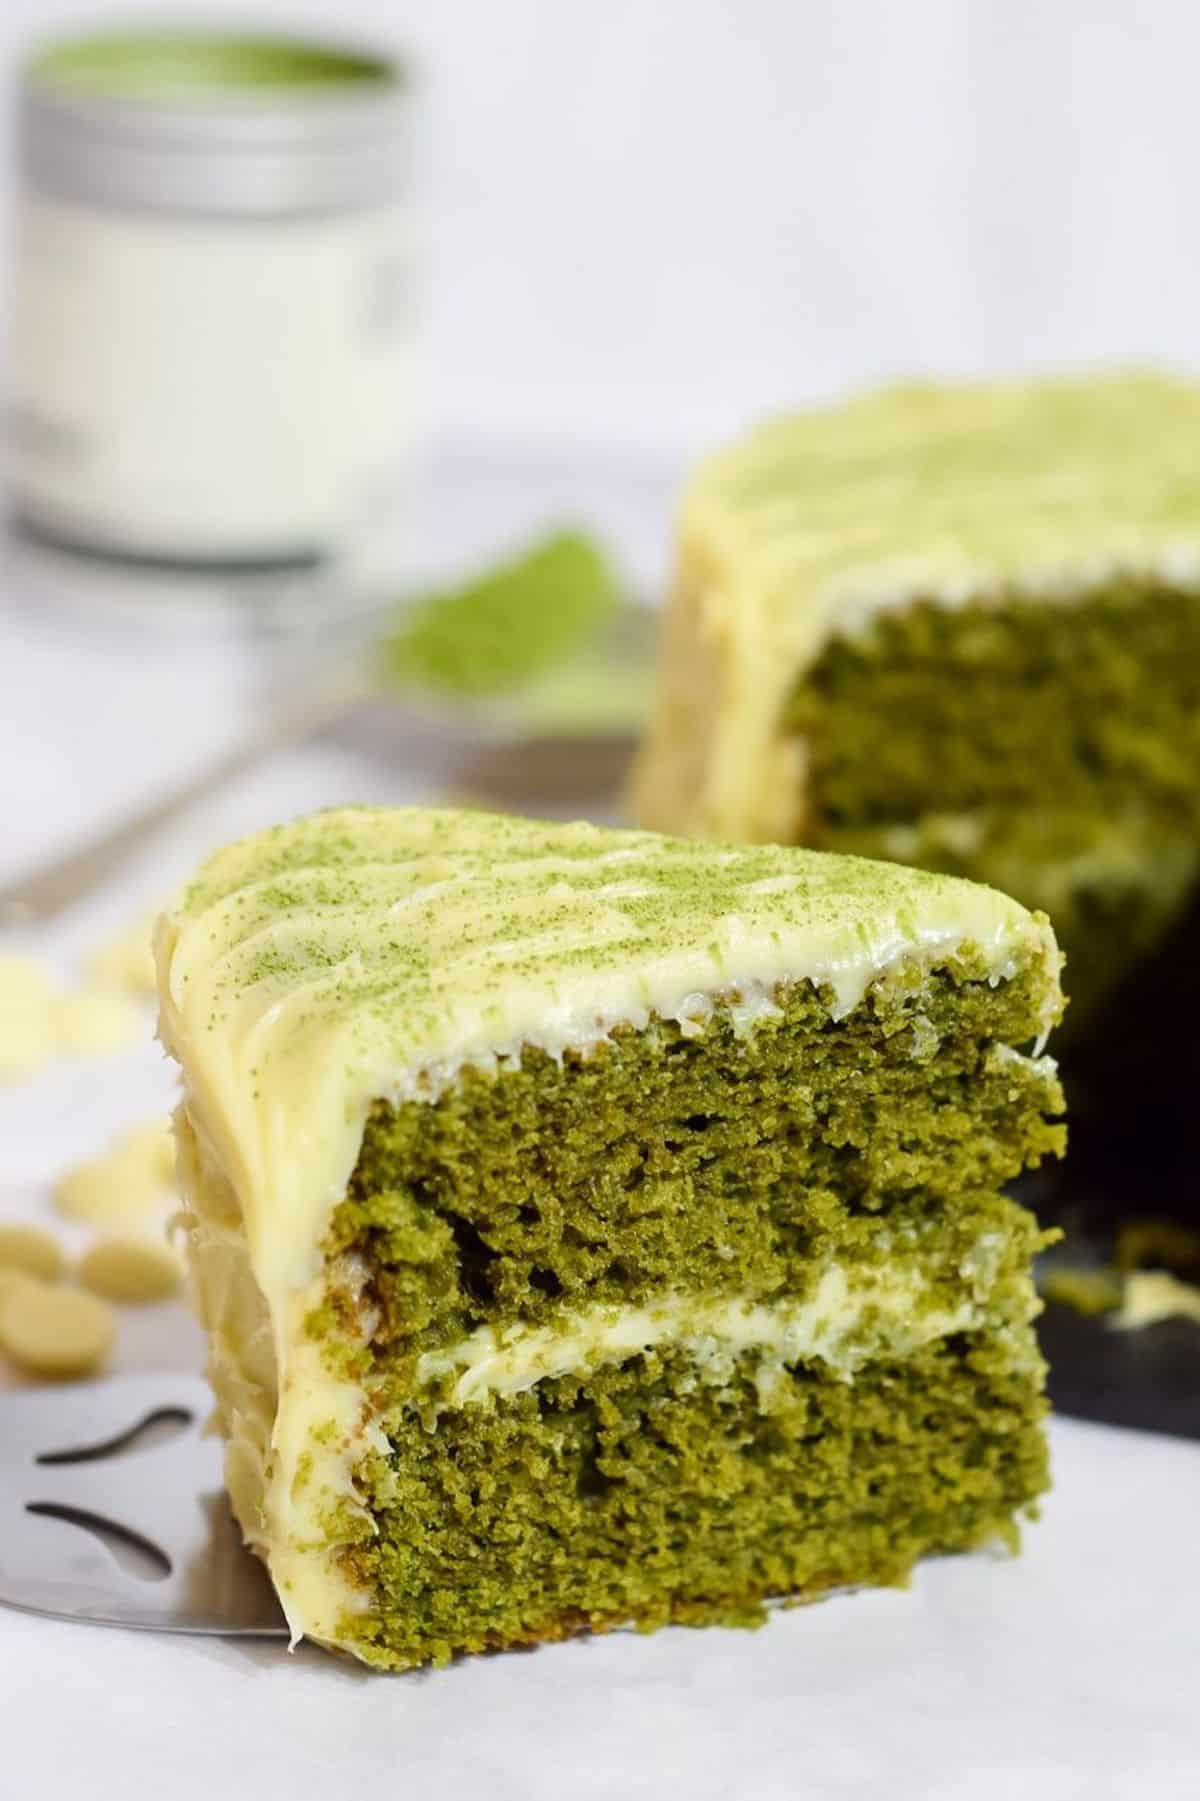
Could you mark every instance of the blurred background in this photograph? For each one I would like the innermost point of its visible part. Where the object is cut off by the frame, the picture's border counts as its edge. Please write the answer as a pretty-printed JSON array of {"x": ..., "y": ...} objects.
[{"x": 649, "y": 224}]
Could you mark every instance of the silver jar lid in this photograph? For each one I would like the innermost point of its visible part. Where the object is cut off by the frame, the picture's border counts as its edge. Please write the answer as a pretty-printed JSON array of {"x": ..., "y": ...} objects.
[{"x": 214, "y": 124}]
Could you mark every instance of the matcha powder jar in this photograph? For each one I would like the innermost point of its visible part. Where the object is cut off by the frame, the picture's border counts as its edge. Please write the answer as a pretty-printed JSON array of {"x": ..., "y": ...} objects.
[{"x": 212, "y": 328}]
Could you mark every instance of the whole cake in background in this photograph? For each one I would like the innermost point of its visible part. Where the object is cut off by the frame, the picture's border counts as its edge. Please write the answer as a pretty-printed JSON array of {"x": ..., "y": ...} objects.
[
  {"x": 593, "y": 1228},
  {"x": 957, "y": 627}
]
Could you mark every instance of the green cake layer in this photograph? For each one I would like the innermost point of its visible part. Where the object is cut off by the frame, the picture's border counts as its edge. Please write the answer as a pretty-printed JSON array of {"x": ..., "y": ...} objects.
[
  {"x": 1093, "y": 705},
  {"x": 645, "y": 1492},
  {"x": 594, "y": 1229},
  {"x": 1051, "y": 750}
]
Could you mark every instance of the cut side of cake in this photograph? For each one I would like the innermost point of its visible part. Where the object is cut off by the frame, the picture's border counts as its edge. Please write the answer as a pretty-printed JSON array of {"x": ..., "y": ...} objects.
[
  {"x": 957, "y": 627},
  {"x": 593, "y": 1228}
]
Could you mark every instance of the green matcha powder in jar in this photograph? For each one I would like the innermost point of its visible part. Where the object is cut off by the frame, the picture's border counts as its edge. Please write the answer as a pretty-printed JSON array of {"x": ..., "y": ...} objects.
[{"x": 212, "y": 335}]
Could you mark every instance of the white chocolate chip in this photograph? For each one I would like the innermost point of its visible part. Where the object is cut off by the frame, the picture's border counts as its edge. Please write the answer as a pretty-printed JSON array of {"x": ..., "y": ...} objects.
[
  {"x": 40, "y": 1020},
  {"x": 131, "y": 1270},
  {"x": 12, "y": 1279},
  {"x": 123, "y": 1183},
  {"x": 126, "y": 960},
  {"x": 32, "y": 1251},
  {"x": 55, "y": 1332},
  {"x": 90, "y": 1020},
  {"x": 26, "y": 1016}
]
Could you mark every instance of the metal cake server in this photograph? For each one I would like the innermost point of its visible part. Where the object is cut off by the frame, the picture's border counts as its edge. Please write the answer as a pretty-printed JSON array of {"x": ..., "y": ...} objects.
[{"x": 112, "y": 1510}]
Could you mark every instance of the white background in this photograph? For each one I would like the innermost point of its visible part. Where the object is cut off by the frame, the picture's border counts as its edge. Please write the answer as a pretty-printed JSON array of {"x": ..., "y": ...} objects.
[{"x": 655, "y": 219}]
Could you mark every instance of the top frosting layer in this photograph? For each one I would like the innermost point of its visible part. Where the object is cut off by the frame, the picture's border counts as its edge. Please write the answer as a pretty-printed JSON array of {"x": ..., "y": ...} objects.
[
  {"x": 370, "y": 953},
  {"x": 950, "y": 491}
]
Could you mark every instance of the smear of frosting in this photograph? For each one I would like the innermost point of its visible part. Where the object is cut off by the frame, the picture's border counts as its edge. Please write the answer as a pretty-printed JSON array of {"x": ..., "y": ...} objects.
[{"x": 40, "y": 1019}]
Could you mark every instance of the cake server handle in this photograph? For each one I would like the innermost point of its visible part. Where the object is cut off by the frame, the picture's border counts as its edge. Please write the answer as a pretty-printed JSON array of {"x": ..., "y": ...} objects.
[{"x": 54, "y": 886}]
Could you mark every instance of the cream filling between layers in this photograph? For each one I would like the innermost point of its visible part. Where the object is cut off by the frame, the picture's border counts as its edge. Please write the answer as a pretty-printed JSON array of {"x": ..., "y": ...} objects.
[{"x": 848, "y": 1319}]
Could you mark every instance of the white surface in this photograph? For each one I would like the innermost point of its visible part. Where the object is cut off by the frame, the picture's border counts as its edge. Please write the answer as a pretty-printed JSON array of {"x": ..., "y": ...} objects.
[
  {"x": 657, "y": 220},
  {"x": 1069, "y": 1673}
]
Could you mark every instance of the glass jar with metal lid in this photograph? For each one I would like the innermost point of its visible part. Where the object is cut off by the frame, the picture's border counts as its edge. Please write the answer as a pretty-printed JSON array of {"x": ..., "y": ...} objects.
[{"x": 211, "y": 353}]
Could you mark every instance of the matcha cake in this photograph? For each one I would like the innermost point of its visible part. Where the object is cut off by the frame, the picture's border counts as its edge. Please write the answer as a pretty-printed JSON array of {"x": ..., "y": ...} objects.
[
  {"x": 597, "y": 1228},
  {"x": 957, "y": 627}
]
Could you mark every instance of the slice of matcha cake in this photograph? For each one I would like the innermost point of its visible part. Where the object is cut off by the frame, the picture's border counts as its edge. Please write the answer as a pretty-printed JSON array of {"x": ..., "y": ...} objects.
[
  {"x": 592, "y": 1227},
  {"x": 957, "y": 627}
]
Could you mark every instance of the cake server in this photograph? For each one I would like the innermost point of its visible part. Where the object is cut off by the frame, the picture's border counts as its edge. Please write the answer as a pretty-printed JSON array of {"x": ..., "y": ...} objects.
[{"x": 113, "y": 1511}]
